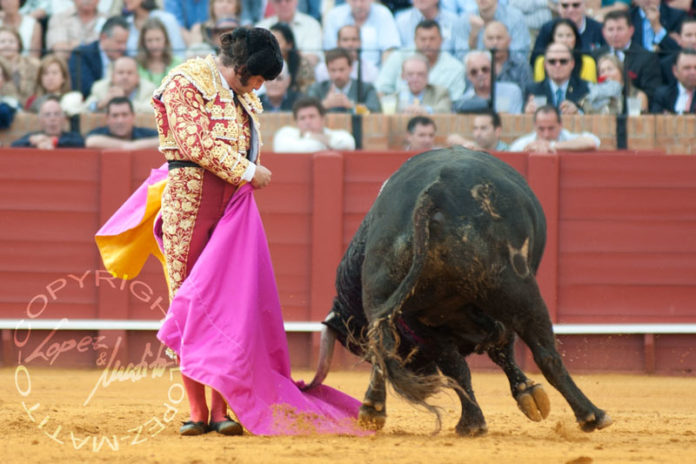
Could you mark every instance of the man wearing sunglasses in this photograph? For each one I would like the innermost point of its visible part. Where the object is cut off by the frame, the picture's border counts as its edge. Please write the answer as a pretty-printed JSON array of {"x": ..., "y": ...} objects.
[
  {"x": 561, "y": 88},
  {"x": 590, "y": 30}
]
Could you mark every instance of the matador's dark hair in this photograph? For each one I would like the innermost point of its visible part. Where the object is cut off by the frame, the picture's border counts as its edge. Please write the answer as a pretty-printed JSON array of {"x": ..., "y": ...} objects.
[{"x": 251, "y": 52}]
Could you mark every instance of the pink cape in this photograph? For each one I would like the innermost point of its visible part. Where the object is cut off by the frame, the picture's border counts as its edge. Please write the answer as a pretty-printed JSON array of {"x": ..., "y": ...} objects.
[{"x": 225, "y": 322}]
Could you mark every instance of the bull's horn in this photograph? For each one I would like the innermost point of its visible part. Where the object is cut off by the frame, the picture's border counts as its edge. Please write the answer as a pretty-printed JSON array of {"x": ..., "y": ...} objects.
[{"x": 326, "y": 348}]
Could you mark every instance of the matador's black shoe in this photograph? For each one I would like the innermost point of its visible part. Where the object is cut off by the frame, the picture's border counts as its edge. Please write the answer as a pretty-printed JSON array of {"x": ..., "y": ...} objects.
[
  {"x": 227, "y": 427},
  {"x": 194, "y": 428}
]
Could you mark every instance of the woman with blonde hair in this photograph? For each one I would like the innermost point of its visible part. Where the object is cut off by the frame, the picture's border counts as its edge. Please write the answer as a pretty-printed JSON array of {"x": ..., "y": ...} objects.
[
  {"x": 606, "y": 97},
  {"x": 23, "y": 69},
  {"x": 155, "y": 57},
  {"x": 53, "y": 78},
  {"x": 28, "y": 29}
]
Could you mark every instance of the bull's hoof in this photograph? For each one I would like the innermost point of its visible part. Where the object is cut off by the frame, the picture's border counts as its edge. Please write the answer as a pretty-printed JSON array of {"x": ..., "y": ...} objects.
[
  {"x": 471, "y": 430},
  {"x": 596, "y": 421},
  {"x": 533, "y": 401},
  {"x": 372, "y": 417}
]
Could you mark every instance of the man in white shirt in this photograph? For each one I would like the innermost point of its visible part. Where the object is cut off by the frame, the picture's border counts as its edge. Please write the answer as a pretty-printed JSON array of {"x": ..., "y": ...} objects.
[
  {"x": 306, "y": 29},
  {"x": 310, "y": 135},
  {"x": 550, "y": 137}
]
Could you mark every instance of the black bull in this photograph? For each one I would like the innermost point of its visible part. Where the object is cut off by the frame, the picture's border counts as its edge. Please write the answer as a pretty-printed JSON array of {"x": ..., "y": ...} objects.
[{"x": 444, "y": 265}]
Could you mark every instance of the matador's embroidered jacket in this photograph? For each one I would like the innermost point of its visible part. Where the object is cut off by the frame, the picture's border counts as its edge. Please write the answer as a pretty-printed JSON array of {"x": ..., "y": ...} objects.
[{"x": 198, "y": 121}]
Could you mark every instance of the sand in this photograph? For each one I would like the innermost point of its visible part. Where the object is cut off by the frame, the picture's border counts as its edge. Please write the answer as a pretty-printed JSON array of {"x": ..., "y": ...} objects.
[{"x": 45, "y": 419}]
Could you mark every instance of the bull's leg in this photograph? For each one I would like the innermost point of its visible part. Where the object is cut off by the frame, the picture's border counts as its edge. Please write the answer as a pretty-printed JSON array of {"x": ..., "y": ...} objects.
[
  {"x": 533, "y": 325},
  {"x": 530, "y": 397},
  {"x": 373, "y": 412},
  {"x": 453, "y": 365}
]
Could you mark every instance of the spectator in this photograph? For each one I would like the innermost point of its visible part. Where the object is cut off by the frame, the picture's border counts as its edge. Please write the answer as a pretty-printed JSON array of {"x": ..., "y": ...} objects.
[
  {"x": 477, "y": 97},
  {"x": 653, "y": 23},
  {"x": 378, "y": 31},
  {"x": 191, "y": 13},
  {"x": 610, "y": 101},
  {"x": 27, "y": 27},
  {"x": 89, "y": 63},
  {"x": 687, "y": 41},
  {"x": 349, "y": 38},
  {"x": 407, "y": 20},
  {"x": 305, "y": 28},
  {"x": 607, "y": 6},
  {"x": 508, "y": 67},
  {"x": 120, "y": 131},
  {"x": 8, "y": 103},
  {"x": 340, "y": 92},
  {"x": 310, "y": 135},
  {"x": 207, "y": 31},
  {"x": 53, "y": 79},
  {"x": 419, "y": 97},
  {"x": 23, "y": 68},
  {"x": 550, "y": 137},
  {"x": 279, "y": 96},
  {"x": 678, "y": 97},
  {"x": 124, "y": 82},
  {"x": 78, "y": 25},
  {"x": 561, "y": 88},
  {"x": 300, "y": 68},
  {"x": 590, "y": 30},
  {"x": 565, "y": 32},
  {"x": 445, "y": 70},
  {"x": 142, "y": 10},
  {"x": 155, "y": 58},
  {"x": 486, "y": 130},
  {"x": 536, "y": 13},
  {"x": 643, "y": 67},
  {"x": 52, "y": 122},
  {"x": 469, "y": 30},
  {"x": 420, "y": 134}
]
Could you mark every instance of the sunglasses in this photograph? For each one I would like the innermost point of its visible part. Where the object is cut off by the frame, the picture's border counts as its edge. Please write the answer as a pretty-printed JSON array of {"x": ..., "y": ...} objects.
[
  {"x": 561, "y": 61},
  {"x": 570, "y": 5},
  {"x": 476, "y": 71}
]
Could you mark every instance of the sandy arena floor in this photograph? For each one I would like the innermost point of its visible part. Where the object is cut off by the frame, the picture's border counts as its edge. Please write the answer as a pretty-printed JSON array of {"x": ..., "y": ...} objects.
[{"x": 654, "y": 421}]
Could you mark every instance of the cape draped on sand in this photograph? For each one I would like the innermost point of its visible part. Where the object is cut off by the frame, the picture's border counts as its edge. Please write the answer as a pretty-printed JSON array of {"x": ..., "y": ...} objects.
[{"x": 225, "y": 322}]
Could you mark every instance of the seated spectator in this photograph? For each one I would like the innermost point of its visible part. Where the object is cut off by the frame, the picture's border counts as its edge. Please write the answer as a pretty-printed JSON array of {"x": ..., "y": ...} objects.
[
  {"x": 508, "y": 67},
  {"x": 445, "y": 70},
  {"x": 155, "y": 58},
  {"x": 561, "y": 88},
  {"x": 120, "y": 131},
  {"x": 300, "y": 68},
  {"x": 565, "y": 32},
  {"x": 419, "y": 96},
  {"x": 90, "y": 62},
  {"x": 141, "y": 11},
  {"x": 8, "y": 103},
  {"x": 23, "y": 68},
  {"x": 654, "y": 22},
  {"x": 208, "y": 30},
  {"x": 469, "y": 29},
  {"x": 349, "y": 38},
  {"x": 28, "y": 28},
  {"x": 407, "y": 20},
  {"x": 687, "y": 41},
  {"x": 310, "y": 135},
  {"x": 536, "y": 13},
  {"x": 678, "y": 97},
  {"x": 53, "y": 79},
  {"x": 340, "y": 92},
  {"x": 377, "y": 27},
  {"x": 603, "y": 99},
  {"x": 279, "y": 96},
  {"x": 420, "y": 134},
  {"x": 79, "y": 24},
  {"x": 124, "y": 82},
  {"x": 192, "y": 13},
  {"x": 477, "y": 97},
  {"x": 643, "y": 67},
  {"x": 550, "y": 137},
  {"x": 591, "y": 36},
  {"x": 607, "y": 6},
  {"x": 51, "y": 133},
  {"x": 305, "y": 29},
  {"x": 486, "y": 130}
]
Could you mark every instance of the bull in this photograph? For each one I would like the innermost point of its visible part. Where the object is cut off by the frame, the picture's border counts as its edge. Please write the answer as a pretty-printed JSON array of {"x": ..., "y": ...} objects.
[{"x": 443, "y": 265}]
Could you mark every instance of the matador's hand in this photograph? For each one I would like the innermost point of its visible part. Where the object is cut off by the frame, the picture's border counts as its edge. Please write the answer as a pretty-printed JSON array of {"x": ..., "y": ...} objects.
[{"x": 262, "y": 177}]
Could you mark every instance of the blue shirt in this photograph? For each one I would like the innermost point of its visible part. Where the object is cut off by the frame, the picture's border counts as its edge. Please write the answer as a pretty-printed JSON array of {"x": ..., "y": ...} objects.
[
  {"x": 137, "y": 134},
  {"x": 187, "y": 12}
]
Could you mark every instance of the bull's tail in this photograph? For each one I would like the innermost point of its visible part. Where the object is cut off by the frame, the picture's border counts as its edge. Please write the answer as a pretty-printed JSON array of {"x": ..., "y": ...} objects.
[{"x": 383, "y": 336}]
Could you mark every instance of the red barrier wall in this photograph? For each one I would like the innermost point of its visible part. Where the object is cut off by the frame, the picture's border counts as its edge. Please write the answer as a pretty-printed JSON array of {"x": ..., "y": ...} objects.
[{"x": 620, "y": 246}]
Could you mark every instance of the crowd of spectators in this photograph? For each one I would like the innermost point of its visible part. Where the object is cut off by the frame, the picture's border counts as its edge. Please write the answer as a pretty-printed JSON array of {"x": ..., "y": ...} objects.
[{"x": 416, "y": 57}]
